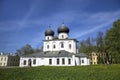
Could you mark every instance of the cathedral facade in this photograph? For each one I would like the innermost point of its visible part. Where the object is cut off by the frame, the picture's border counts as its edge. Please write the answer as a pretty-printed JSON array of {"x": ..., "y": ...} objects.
[{"x": 57, "y": 51}]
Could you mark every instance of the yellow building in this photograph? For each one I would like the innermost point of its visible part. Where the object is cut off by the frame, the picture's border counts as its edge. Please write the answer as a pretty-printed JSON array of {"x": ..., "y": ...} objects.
[
  {"x": 94, "y": 57},
  {"x": 9, "y": 60}
]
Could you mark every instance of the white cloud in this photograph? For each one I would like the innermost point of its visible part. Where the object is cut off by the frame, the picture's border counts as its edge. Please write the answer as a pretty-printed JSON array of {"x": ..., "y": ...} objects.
[
  {"x": 96, "y": 22},
  {"x": 70, "y": 17}
]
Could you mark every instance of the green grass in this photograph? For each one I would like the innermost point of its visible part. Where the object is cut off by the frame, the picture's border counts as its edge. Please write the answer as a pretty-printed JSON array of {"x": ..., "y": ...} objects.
[{"x": 97, "y": 72}]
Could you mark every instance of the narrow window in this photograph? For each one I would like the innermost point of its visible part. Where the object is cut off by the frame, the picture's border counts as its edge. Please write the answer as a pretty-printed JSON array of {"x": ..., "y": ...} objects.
[
  {"x": 24, "y": 62},
  {"x": 5, "y": 59},
  {"x": 82, "y": 61},
  {"x": 69, "y": 46},
  {"x": 63, "y": 61},
  {"x": 34, "y": 61},
  {"x": 69, "y": 61},
  {"x": 47, "y": 46},
  {"x": 58, "y": 61},
  {"x": 62, "y": 36},
  {"x": 50, "y": 61},
  {"x": 54, "y": 46},
  {"x": 62, "y": 45}
]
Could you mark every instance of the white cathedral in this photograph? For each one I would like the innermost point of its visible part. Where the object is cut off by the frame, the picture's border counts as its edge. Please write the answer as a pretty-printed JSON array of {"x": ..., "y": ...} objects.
[{"x": 57, "y": 51}]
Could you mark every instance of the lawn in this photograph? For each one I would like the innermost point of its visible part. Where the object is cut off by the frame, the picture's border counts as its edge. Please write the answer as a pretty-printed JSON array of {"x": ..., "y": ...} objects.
[{"x": 96, "y": 72}]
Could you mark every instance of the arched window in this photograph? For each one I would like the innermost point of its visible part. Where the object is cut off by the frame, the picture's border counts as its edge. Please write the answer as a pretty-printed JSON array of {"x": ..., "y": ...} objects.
[
  {"x": 47, "y": 46},
  {"x": 63, "y": 61},
  {"x": 54, "y": 46},
  {"x": 24, "y": 62},
  {"x": 34, "y": 61},
  {"x": 62, "y": 36},
  {"x": 69, "y": 46},
  {"x": 58, "y": 61},
  {"x": 82, "y": 61},
  {"x": 62, "y": 45},
  {"x": 69, "y": 61},
  {"x": 50, "y": 61}
]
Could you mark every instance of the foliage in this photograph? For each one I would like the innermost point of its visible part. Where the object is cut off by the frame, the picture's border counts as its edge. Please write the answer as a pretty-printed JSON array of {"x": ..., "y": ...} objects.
[
  {"x": 37, "y": 50},
  {"x": 112, "y": 41},
  {"x": 27, "y": 49},
  {"x": 107, "y": 48},
  {"x": 97, "y": 72},
  {"x": 100, "y": 48},
  {"x": 94, "y": 45},
  {"x": 86, "y": 46}
]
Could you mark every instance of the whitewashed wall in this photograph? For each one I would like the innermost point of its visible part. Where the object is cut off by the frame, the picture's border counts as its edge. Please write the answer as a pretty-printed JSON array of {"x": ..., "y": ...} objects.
[
  {"x": 21, "y": 64},
  {"x": 77, "y": 60},
  {"x": 45, "y": 61},
  {"x": 62, "y": 35},
  {"x": 86, "y": 61},
  {"x": 57, "y": 43},
  {"x": 48, "y": 37}
]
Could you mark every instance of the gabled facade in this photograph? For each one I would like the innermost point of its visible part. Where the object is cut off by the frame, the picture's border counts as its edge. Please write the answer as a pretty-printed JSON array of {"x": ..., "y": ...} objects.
[{"x": 57, "y": 51}]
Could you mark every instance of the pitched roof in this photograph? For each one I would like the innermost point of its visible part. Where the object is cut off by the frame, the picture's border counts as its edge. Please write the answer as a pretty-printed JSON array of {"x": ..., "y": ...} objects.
[
  {"x": 50, "y": 54},
  {"x": 80, "y": 55},
  {"x": 61, "y": 53}
]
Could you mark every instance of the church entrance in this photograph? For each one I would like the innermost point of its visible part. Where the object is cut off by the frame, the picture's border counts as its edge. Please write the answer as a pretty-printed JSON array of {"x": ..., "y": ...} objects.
[{"x": 29, "y": 63}]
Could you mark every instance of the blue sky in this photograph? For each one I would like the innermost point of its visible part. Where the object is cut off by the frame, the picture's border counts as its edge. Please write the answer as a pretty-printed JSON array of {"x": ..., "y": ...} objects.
[{"x": 25, "y": 21}]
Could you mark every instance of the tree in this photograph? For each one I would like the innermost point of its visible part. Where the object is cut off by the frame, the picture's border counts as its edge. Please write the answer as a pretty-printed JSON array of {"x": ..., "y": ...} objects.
[
  {"x": 27, "y": 49},
  {"x": 100, "y": 48},
  {"x": 86, "y": 46},
  {"x": 112, "y": 41},
  {"x": 82, "y": 48},
  {"x": 37, "y": 50},
  {"x": 95, "y": 45}
]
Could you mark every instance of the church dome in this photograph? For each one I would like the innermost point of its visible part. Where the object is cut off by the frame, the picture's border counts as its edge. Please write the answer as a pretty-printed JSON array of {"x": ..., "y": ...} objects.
[
  {"x": 49, "y": 32},
  {"x": 63, "y": 28}
]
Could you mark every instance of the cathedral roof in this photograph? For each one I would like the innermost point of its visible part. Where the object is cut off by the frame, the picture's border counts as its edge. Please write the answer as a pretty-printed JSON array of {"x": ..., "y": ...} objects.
[
  {"x": 49, "y": 32},
  {"x": 51, "y": 54},
  {"x": 63, "y": 28},
  {"x": 61, "y": 53},
  {"x": 80, "y": 55}
]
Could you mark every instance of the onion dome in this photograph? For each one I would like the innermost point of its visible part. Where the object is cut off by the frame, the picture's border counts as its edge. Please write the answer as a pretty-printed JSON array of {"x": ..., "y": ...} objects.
[
  {"x": 63, "y": 29},
  {"x": 49, "y": 32}
]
